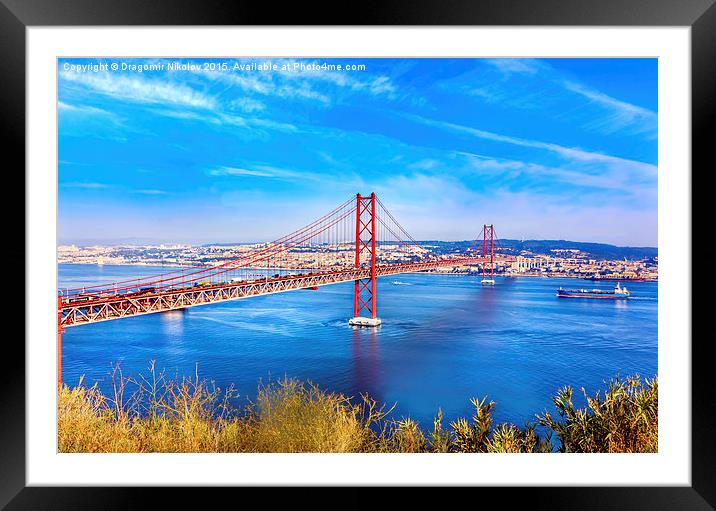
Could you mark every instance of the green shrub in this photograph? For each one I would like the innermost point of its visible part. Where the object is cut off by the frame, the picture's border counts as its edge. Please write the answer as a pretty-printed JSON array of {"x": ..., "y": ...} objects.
[{"x": 625, "y": 419}]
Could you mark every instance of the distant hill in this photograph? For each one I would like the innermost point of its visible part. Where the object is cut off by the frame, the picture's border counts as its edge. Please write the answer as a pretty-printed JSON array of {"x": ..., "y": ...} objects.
[
  {"x": 546, "y": 247},
  {"x": 541, "y": 247}
]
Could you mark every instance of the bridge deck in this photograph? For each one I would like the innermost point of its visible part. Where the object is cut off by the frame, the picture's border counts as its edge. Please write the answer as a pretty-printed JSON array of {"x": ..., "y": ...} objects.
[{"x": 76, "y": 311}]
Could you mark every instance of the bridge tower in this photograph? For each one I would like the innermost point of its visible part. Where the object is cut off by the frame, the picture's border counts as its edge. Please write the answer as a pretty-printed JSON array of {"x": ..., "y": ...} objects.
[
  {"x": 488, "y": 247},
  {"x": 364, "y": 290}
]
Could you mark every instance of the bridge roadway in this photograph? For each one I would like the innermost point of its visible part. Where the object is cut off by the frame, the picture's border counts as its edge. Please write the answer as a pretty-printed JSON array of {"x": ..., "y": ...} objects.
[{"x": 78, "y": 311}]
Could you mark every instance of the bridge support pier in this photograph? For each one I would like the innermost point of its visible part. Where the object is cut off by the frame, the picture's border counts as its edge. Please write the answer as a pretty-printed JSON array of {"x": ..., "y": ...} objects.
[
  {"x": 361, "y": 321},
  {"x": 364, "y": 290}
]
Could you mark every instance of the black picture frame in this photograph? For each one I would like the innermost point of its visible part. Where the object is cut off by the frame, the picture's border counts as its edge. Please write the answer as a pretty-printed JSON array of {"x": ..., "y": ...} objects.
[{"x": 17, "y": 15}]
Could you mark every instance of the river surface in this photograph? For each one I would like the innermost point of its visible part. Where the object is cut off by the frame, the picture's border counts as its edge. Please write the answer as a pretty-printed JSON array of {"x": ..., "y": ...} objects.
[{"x": 444, "y": 339}]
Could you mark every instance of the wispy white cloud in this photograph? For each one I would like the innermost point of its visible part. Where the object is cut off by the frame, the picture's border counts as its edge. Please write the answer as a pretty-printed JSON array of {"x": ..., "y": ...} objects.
[
  {"x": 233, "y": 171},
  {"x": 86, "y": 185},
  {"x": 187, "y": 115},
  {"x": 346, "y": 179},
  {"x": 535, "y": 84},
  {"x": 81, "y": 120},
  {"x": 424, "y": 186},
  {"x": 177, "y": 101},
  {"x": 330, "y": 159},
  {"x": 266, "y": 171},
  {"x": 257, "y": 122},
  {"x": 99, "y": 122},
  {"x": 219, "y": 118},
  {"x": 247, "y": 105},
  {"x": 81, "y": 109},
  {"x": 352, "y": 80},
  {"x": 303, "y": 91},
  {"x": 258, "y": 84},
  {"x": 145, "y": 191},
  {"x": 570, "y": 153},
  {"x": 141, "y": 90},
  {"x": 528, "y": 174},
  {"x": 516, "y": 65},
  {"x": 305, "y": 80},
  {"x": 266, "y": 84},
  {"x": 488, "y": 163},
  {"x": 426, "y": 164},
  {"x": 623, "y": 114},
  {"x": 382, "y": 85}
]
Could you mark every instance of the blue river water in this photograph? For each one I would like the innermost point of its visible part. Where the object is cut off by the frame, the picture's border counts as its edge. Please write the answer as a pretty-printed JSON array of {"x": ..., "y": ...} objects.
[{"x": 444, "y": 339}]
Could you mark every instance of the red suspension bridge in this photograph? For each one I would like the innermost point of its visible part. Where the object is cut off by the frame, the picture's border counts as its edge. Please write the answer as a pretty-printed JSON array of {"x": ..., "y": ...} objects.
[{"x": 358, "y": 241}]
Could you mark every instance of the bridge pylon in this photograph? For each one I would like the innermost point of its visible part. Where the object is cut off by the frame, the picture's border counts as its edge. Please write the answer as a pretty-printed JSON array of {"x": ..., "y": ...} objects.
[
  {"x": 488, "y": 249},
  {"x": 364, "y": 290}
]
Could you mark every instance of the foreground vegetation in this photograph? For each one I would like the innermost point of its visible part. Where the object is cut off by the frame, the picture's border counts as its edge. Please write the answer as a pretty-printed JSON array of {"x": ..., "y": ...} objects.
[{"x": 190, "y": 415}]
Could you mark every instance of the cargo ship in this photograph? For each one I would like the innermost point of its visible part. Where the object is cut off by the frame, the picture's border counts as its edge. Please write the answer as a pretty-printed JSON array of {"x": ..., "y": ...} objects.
[{"x": 617, "y": 293}]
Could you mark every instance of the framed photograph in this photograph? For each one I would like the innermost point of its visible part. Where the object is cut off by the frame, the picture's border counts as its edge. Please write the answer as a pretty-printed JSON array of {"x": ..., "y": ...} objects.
[{"x": 443, "y": 246}]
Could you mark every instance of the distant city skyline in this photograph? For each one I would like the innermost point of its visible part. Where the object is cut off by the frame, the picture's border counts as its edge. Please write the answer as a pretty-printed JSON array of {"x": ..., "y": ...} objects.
[
  {"x": 542, "y": 148},
  {"x": 148, "y": 242}
]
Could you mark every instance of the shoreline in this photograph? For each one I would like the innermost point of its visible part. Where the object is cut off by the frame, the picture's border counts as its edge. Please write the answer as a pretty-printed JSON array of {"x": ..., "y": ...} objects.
[
  {"x": 290, "y": 415},
  {"x": 407, "y": 273}
]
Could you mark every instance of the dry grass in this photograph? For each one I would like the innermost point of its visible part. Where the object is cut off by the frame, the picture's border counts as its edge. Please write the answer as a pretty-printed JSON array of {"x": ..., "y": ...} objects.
[
  {"x": 290, "y": 416},
  {"x": 191, "y": 415}
]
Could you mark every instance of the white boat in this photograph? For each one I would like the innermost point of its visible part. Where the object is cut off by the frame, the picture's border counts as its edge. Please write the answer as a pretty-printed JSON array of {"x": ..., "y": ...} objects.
[
  {"x": 487, "y": 282},
  {"x": 618, "y": 290}
]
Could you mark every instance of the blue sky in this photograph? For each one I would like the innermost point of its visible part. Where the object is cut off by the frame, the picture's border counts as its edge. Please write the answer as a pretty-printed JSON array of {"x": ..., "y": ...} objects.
[{"x": 542, "y": 148}]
